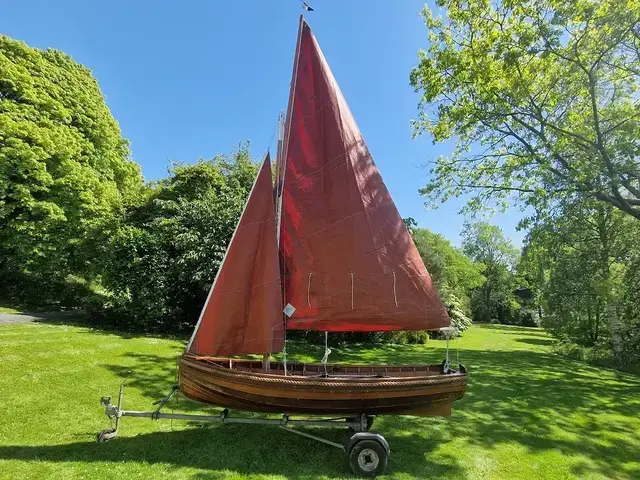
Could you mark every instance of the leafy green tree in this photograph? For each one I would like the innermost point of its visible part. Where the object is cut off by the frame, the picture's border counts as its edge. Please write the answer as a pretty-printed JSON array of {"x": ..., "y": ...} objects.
[
  {"x": 629, "y": 305},
  {"x": 64, "y": 165},
  {"x": 541, "y": 98},
  {"x": 160, "y": 258},
  {"x": 487, "y": 245},
  {"x": 586, "y": 251},
  {"x": 451, "y": 270},
  {"x": 449, "y": 267}
]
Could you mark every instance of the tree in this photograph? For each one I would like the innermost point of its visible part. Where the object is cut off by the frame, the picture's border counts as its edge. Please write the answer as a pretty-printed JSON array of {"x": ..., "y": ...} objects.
[
  {"x": 455, "y": 274},
  {"x": 541, "y": 97},
  {"x": 449, "y": 267},
  {"x": 487, "y": 245},
  {"x": 586, "y": 251},
  {"x": 160, "y": 258},
  {"x": 64, "y": 165}
]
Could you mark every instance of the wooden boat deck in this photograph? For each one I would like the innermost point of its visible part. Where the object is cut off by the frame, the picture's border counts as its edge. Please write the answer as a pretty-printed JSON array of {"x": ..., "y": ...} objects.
[{"x": 317, "y": 369}]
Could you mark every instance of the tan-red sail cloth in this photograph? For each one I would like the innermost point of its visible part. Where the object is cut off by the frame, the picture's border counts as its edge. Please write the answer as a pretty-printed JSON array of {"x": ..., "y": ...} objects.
[
  {"x": 349, "y": 262},
  {"x": 243, "y": 313}
]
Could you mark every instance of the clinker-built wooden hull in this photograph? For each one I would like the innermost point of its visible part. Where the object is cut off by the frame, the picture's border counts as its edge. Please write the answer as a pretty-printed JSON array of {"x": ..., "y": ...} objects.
[{"x": 343, "y": 390}]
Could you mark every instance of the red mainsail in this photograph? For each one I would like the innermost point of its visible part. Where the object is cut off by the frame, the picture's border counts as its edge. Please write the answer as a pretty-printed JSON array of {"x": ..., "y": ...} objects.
[
  {"x": 243, "y": 313},
  {"x": 349, "y": 263}
]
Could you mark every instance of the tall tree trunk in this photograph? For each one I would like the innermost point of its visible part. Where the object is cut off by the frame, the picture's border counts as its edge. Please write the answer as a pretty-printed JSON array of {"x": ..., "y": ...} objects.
[
  {"x": 590, "y": 322},
  {"x": 598, "y": 309},
  {"x": 614, "y": 325},
  {"x": 486, "y": 291},
  {"x": 605, "y": 233}
]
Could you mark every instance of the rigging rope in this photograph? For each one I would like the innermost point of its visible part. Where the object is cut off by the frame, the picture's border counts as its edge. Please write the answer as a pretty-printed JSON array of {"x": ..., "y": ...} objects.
[
  {"x": 273, "y": 134},
  {"x": 447, "y": 362},
  {"x": 327, "y": 352},
  {"x": 284, "y": 353}
]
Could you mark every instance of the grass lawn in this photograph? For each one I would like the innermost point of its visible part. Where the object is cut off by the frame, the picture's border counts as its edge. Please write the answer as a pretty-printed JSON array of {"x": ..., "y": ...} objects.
[
  {"x": 527, "y": 415},
  {"x": 8, "y": 310}
]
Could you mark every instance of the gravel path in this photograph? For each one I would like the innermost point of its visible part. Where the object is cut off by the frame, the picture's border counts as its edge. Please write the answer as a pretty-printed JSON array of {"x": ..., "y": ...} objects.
[{"x": 7, "y": 318}]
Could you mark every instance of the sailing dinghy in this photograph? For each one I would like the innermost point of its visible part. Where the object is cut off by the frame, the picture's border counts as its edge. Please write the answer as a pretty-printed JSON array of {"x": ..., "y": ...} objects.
[{"x": 323, "y": 250}]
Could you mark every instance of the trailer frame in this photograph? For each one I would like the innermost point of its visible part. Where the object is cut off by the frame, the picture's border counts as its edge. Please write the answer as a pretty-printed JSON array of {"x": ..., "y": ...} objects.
[{"x": 368, "y": 452}]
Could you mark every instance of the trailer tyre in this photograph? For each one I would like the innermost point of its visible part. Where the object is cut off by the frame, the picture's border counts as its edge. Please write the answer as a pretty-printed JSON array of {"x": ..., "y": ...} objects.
[{"x": 368, "y": 458}]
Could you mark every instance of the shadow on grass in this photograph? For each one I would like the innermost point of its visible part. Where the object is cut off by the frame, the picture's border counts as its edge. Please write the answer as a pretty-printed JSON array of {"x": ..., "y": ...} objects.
[
  {"x": 528, "y": 398},
  {"x": 244, "y": 449},
  {"x": 509, "y": 328},
  {"x": 535, "y": 341},
  {"x": 84, "y": 320}
]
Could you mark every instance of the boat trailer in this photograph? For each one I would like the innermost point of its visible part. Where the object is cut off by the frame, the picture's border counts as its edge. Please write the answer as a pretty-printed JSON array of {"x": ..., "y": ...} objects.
[{"x": 368, "y": 452}]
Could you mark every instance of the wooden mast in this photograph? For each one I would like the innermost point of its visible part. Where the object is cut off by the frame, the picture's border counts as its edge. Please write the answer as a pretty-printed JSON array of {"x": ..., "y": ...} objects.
[
  {"x": 281, "y": 158},
  {"x": 266, "y": 358}
]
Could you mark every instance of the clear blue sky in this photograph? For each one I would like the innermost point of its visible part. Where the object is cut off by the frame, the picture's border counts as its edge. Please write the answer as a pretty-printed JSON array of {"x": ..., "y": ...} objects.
[{"x": 190, "y": 79}]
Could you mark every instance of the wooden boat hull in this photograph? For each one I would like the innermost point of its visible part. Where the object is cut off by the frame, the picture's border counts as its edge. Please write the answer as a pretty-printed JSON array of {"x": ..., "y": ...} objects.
[{"x": 306, "y": 389}]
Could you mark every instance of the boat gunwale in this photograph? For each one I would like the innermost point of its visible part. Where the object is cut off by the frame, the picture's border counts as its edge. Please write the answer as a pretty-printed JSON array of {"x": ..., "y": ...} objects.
[{"x": 212, "y": 364}]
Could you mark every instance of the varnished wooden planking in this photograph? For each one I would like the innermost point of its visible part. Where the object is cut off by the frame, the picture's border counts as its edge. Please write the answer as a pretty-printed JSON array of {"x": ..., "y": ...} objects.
[{"x": 243, "y": 384}]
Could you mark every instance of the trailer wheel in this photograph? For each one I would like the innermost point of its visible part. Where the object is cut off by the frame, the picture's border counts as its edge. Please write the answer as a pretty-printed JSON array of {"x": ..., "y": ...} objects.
[{"x": 368, "y": 458}]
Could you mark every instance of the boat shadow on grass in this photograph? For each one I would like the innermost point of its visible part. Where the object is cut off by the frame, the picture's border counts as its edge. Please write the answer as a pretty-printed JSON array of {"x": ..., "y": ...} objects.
[
  {"x": 534, "y": 400},
  {"x": 224, "y": 451}
]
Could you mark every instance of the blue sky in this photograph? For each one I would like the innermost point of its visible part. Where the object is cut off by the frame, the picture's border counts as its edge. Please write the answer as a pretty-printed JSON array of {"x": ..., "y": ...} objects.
[{"x": 193, "y": 78}]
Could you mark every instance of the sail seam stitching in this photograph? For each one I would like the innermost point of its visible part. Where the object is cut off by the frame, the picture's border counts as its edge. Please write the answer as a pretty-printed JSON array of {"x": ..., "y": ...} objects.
[{"x": 351, "y": 290}]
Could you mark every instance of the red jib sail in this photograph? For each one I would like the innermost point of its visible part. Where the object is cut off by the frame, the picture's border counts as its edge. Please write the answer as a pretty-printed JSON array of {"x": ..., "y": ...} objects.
[
  {"x": 243, "y": 313},
  {"x": 349, "y": 263}
]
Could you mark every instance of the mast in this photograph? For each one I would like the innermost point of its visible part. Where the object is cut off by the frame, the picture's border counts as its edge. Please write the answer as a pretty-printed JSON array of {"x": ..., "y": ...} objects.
[
  {"x": 287, "y": 129},
  {"x": 266, "y": 358},
  {"x": 279, "y": 171},
  {"x": 282, "y": 166}
]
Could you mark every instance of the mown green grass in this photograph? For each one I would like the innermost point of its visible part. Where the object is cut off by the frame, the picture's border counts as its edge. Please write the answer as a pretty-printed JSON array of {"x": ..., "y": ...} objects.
[
  {"x": 8, "y": 310},
  {"x": 527, "y": 415}
]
